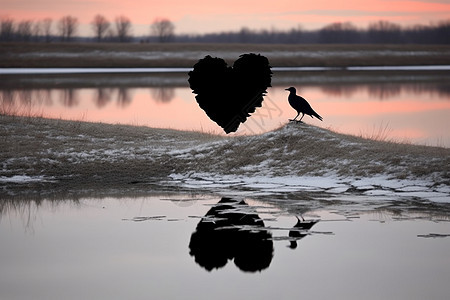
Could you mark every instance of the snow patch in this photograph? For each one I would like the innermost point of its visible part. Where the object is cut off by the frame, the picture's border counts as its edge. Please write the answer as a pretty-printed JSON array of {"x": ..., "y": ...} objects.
[
  {"x": 24, "y": 179},
  {"x": 377, "y": 186}
]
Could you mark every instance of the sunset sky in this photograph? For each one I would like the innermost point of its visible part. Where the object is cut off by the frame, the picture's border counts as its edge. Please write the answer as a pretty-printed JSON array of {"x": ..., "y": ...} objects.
[{"x": 200, "y": 16}]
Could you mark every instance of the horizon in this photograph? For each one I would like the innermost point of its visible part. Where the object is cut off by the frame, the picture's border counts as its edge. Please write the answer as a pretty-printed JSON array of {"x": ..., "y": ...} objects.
[{"x": 231, "y": 16}]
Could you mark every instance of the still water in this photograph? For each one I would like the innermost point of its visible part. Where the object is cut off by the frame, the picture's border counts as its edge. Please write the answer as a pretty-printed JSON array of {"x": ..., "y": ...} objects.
[
  {"x": 208, "y": 247},
  {"x": 407, "y": 110}
]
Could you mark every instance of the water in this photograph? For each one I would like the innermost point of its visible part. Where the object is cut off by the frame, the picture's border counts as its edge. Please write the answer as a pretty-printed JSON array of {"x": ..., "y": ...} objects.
[
  {"x": 30, "y": 71},
  {"x": 187, "y": 246},
  {"x": 407, "y": 108}
]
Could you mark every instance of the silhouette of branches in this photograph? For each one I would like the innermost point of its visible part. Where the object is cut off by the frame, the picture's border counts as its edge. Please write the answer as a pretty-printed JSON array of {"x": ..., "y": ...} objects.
[
  {"x": 67, "y": 27},
  {"x": 100, "y": 26},
  {"x": 163, "y": 30},
  {"x": 123, "y": 29}
]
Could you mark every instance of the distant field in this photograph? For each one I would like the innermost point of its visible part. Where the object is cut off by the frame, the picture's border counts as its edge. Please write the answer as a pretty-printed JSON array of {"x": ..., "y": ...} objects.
[{"x": 186, "y": 55}]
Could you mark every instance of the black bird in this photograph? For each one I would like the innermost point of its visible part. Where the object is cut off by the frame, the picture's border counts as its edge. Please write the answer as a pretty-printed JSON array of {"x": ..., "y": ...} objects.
[
  {"x": 300, "y": 105},
  {"x": 299, "y": 230}
]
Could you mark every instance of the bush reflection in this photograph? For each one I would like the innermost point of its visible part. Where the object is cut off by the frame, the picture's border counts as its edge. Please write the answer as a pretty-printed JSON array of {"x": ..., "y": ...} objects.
[{"x": 230, "y": 230}]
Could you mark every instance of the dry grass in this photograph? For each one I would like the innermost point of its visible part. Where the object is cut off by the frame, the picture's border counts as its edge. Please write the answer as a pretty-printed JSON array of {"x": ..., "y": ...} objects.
[
  {"x": 101, "y": 55},
  {"x": 84, "y": 151},
  {"x": 307, "y": 150},
  {"x": 80, "y": 157}
]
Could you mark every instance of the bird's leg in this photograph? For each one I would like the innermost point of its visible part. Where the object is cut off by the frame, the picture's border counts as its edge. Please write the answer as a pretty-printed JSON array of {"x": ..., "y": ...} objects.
[
  {"x": 294, "y": 119},
  {"x": 299, "y": 121},
  {"x": 301, "y": 217}
]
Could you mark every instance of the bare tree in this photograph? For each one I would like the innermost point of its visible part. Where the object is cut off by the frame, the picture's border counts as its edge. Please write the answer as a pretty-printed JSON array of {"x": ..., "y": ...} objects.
[
  {"x": 47, "y": 29},
  {"x": 37, "y": 30},
  {"x": 244, "y": 35},
  {"x": 339, "y": 33},
  {"x": 24, "y": 30},
  {"x": 100, "y": 26},
  {"x": 384, "y": 32},
  {"x": 6, "y": 29},
  {"x": 383, "y": 25},
  {"x": 163, "y": 29},
  {"x": 123, "y": 28},
  {"x": 67, "y": 27}
]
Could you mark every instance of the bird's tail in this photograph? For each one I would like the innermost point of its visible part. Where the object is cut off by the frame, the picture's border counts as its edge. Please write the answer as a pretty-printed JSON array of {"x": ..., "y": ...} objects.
[{"x": 317, "y": 116}]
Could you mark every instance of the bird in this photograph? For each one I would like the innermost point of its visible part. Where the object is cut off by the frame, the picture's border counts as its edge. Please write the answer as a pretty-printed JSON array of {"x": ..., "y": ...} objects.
[
  {"x": 300, "y": 105},
  {"x": 299, "y": 230}
]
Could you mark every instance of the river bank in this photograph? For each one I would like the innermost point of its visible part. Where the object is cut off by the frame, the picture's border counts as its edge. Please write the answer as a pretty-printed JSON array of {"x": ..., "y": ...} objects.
[
  {"x": 55, "y": 158},
  {"x": 109, "y": 55}
]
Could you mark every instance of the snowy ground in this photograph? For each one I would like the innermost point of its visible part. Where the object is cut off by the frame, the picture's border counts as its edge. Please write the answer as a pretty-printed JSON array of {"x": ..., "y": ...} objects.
[
  {"x": 380, "y": 187},
  {"x": 47, "y": 158}
]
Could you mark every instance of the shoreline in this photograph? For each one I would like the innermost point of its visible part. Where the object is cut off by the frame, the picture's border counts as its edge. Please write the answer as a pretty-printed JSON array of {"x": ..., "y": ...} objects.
[
  {"x": 48, "y": 158},
  {"x": 89, "y": 55},
  {"x": 174, "y": 79},
  {"x": 107, "y": 71}
]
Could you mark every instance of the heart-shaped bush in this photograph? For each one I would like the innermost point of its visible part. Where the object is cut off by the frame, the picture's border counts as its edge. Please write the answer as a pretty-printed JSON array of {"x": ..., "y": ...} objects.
[{"x": 227, "y": 94}]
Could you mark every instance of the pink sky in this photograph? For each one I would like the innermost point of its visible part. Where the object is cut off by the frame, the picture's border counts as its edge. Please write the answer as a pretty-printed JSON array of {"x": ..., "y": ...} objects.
[{"x": 199, "y": 16}]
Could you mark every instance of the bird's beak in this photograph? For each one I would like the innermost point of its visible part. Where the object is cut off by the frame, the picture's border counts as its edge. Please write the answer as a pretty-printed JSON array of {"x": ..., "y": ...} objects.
[{"x": 286, "y": 89}]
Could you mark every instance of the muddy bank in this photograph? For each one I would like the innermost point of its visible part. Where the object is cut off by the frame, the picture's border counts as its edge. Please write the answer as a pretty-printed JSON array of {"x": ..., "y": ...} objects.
[
  {"x": 43, "y": 157},
  {"x": 65, "y": 55}
]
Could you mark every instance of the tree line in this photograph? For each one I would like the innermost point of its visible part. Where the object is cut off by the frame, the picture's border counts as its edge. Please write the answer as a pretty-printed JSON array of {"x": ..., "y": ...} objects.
[
  {"x": 163, "y": 30},
  {"x": 380, "y": 32},
  {"x": 66, "y": 28}
]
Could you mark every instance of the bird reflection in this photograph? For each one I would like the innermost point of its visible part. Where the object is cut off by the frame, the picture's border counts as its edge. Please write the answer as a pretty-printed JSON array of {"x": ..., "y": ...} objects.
[
  {"x": 299, "y": 230},
  {"x": 232, "y": 231}
]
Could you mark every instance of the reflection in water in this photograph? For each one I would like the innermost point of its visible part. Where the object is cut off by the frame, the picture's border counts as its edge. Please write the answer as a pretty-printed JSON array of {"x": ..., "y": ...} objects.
[
  {"x": 299, "y": 231},
  {"x": 163, "y": 94},
  {"x": 69, "y": 97},
  {"x": 415, "y": 111},
  {"x": 230, "y": 230},
  {"x": 103, "y": 97},
  {"x": 385, "y": 91},
  {"x": 82, "y": 250},
  {"x": 14, "y": 100},
  {"x": 28, "y": 210},
  {"x": 124, "y": 96}
]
